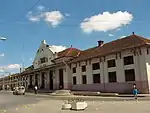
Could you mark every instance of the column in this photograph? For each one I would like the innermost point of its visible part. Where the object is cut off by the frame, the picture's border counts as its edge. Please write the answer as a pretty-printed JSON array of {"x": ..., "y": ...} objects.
[
  {"x": 78, "y": 74},
  {"x": 120, "y": 70},
  {"x": 89, "y": 73},
  {"x": 46, "y": 76}
]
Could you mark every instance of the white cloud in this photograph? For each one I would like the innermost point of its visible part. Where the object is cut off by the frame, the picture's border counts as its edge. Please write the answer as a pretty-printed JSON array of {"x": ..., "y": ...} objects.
[
  {"x": 56, "y": 48},
  {"x": 122, "y": 36},
  {"x": 11, "y": 68},
  {"x": 2, "y": 54},
  {"x": 110, "y": 35},
  {"x": 40, "y": 8},
  {"x": 53, "y": 18},
  {"x": 1, "y": 70},
  {"x": 67, "y": 14},
  {"x": 33, "y": 18},
  {"x": 14, "y": 66},
  {"x": 106, "y": 21}
]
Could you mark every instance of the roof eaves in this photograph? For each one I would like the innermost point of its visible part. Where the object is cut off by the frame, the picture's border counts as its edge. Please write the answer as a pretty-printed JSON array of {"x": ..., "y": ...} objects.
[{"x": 78, "y": 60}]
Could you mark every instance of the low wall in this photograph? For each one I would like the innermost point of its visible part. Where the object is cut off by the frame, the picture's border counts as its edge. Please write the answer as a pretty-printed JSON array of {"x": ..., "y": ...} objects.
[{"x": 125, "y": 87}]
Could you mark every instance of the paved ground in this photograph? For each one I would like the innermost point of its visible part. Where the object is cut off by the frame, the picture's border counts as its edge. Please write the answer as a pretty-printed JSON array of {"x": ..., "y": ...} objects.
[
  {"x": 43, "y": 104},
  {"x": 54, "y": 106},
  {"x": 8, "y": 100}
]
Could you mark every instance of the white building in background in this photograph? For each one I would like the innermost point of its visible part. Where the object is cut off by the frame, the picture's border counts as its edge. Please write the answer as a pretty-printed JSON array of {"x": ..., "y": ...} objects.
[{"x": 107, "y": 67}]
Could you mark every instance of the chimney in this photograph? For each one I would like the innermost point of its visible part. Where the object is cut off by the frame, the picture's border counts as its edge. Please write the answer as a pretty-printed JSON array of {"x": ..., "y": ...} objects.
[
  {"x": 100, "y": 43},
  {"x": 132, "y": 33}
]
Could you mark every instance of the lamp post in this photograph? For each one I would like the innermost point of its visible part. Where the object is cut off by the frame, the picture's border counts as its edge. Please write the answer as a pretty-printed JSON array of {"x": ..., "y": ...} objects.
[{"x": 2, "y": 38}]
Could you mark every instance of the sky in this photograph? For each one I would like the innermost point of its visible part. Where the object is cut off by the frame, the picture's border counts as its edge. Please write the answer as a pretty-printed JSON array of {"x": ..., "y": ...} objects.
[{"x": 62, "y": 23}]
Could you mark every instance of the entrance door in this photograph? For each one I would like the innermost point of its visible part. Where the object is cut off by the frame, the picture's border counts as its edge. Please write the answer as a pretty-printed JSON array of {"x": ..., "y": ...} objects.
[
  {"x": 43, "y": 81},
  {"x": 31, "y": 80},
  {"x": 61, "y": 79},
  {"x": 36, "y": 79},
  {"x": 51, "y": 80}
]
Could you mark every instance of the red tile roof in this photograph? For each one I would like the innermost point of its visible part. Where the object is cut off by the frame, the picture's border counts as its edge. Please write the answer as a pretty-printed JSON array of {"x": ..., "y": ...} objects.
[
  {"x": 112, "y": 47},
  {"x": 71, "y": 52}
]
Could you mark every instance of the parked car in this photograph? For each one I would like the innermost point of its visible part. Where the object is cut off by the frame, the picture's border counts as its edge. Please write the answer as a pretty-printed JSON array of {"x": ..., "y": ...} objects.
[{"x": 19, "y": 90}]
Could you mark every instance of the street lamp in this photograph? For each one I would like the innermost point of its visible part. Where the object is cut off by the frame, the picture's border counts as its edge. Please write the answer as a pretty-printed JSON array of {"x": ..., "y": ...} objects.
[{"x": 2, "y": 38}]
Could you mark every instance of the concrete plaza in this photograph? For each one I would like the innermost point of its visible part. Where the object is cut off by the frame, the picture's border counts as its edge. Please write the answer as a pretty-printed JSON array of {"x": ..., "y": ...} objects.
[{"x": 54, "y": 106}]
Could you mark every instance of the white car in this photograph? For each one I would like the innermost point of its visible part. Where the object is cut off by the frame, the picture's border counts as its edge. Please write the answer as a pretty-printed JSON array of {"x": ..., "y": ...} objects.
[{"x": 19, "y": 90}]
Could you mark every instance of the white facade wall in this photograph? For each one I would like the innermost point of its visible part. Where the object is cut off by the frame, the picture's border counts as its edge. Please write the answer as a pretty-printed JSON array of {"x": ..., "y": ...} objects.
[
  {"x": 139, "y": 66},
  {"x": 46, "y": 52}
]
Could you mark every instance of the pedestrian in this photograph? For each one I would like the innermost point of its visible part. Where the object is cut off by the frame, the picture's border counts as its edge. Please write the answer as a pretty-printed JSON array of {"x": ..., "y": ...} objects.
[
  {"x": 35, "y": 89},
  {"x": 135, "y": 91}
]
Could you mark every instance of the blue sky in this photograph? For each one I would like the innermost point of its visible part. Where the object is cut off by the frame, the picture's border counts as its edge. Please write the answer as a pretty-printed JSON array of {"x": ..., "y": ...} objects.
[{"x": 80, "y": 23}]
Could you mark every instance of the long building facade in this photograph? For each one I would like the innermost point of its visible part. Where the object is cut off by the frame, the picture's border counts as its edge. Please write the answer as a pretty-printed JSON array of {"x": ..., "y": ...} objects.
[{"x": 108, "y": 67}]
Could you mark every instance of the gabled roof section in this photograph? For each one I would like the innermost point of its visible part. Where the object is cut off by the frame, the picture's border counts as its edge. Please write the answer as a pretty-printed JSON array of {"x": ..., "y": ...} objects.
[
  {"x": 69, "y": 52},
  {"x": 30, "y": 68},
  {"x": 114, "y": 46}
]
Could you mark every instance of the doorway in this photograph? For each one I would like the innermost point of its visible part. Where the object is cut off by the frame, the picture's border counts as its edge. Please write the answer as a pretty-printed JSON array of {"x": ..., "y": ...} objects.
[
  {"x": 51, "y": 80},
  {"x": 61, "y": 79},
  {"x": 36, "y": 79},
  {"x": 31, "y": 80},
  {"x": 43, "y": 80}
]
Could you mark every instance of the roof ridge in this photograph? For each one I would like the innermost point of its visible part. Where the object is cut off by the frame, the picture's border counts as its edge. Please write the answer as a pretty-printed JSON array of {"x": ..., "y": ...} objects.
[{"x": 141, "y": 38}]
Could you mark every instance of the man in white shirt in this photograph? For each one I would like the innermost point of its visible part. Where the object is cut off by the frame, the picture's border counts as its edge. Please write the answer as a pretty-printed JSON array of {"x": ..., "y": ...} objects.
[{"x": 35, "y": 89}]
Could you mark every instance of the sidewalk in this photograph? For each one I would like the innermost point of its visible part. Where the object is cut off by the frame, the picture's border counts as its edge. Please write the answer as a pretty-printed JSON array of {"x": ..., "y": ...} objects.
[
  {"x": 87, "y": 96},
  {"x": 86, "y": 93}
]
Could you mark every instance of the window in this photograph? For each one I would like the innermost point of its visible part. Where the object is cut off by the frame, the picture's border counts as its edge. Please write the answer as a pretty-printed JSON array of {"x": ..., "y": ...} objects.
[
  {"x": 130, "y": 75},
  {"x": 96, "y": 78},
  {"x": 128, "y": 60},
  {"x": 112, "y": 77},
  {"x": 74, "y": 70},
  {"x": 47, "y": 45},
  {"x": 95, "y": 66},
  {"x": 111, "y": 63},
  {"x": 84, "y": 79},
  {"x": 83, "y": 68},
  {"x": 43, "y": 60},
  {"x": 74, "y": 81}
]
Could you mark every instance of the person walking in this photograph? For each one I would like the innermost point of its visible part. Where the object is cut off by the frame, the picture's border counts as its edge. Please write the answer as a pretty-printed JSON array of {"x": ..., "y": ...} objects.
[
  {"x": 35, "y": 89},
  {"x": 135, "y": 91}
]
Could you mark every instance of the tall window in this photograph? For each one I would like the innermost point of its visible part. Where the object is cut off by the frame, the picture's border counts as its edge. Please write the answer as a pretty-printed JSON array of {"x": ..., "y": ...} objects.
[
  {"x": 128, "y": 60},
  {"x": 74, "y": 70},
  {"x": 74, "y": 81},
  {"x": 96, "y": 78},
  {"x": 111, "y": 63},
  {"x": 129, "y": 75},
  {"x": 95, "y": 66},
  {"x": 83, "y": 68},
  {"x": 84, "y": 81},
  {"x": 112, "y": 76}
]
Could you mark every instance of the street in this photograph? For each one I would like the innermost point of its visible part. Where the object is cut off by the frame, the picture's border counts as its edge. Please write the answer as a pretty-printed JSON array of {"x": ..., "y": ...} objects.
[{"x": 8, "y": 100}]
